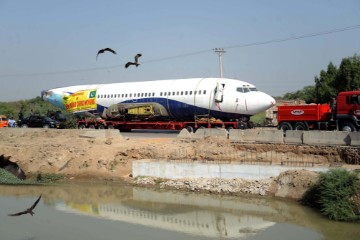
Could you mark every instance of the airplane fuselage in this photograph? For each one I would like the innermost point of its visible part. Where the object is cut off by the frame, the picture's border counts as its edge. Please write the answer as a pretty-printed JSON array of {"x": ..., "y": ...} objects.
[{"x": 222, "y": 98}]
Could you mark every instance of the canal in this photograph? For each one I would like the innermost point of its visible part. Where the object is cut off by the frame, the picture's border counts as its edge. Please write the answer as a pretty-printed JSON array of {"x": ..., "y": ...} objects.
[{"x": 116, "y": 211}]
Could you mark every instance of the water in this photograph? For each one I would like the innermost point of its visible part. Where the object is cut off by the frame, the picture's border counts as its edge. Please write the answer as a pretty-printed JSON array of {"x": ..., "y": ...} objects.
[{"x": 114, "y": 211}]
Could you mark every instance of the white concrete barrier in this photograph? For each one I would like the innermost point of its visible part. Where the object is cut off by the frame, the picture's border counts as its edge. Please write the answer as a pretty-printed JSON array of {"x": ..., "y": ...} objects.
[
  {"x": 326, "y": 138},
  {"x": 184, "y": 134},
  {"x": 211, "y": 132},
  {"x": 293, "y": 137},
  {"x": 354, "y": 138},
  {"x": 256, "y": 135},
  {"x": 173, "y": 170}
]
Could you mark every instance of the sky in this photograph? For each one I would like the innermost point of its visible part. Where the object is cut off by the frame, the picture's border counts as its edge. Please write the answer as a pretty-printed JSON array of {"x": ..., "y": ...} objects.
[{"x": 278, "y": 45}]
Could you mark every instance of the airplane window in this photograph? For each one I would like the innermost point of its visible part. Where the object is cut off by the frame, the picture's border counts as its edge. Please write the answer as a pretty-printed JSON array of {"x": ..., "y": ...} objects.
[
  {"x": 246, "y": 90},
  {"x": 122, "y": 95},
  {"x": 253, "y": 89},
  {"x": 126, "y": 95},
  {"x": 204, "y": 91},
  {"x": 173, "y": 94},
  {"x": 177, "y": 93},
  {"x": 142, "y": 94},
  {"x": 108, "y": 95},
  {"x": 190, "y": 93},
  {"x": 182, "y": 93},
  {"x": 153, "y": 94},
  {"x": 146, "y": 94},
  {"x": 199, "y": 92},
  {"x": 240, "y": 89},
  {"x": 169, "y": 93},
  {"x": 164, "y": 93},
  {"x": 160, "y": 93},
  {"x": 195, "y": 92},
  {"x": 111, "y": 96},
  {"x": 186, "y": 92}
]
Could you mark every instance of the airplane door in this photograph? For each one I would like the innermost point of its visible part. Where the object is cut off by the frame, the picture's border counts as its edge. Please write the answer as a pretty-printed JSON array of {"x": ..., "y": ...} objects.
[{"x": 219, "y": 92}]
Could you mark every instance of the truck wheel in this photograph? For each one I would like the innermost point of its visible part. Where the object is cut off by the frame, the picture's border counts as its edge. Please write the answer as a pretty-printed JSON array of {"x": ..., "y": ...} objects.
[
  {"x": 348, "y": 127},
  {"x": 82, "y": 126},
  {"x": 91, "y": 126},
  {"x": 301, "y": 126},
  {"x": 285, "y": 126},
  {"x": 190, "y": 129},
  {"x": 100, "y": 126}
]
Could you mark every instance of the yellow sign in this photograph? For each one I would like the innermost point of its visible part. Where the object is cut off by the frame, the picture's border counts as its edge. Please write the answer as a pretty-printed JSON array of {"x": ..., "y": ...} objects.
[{"x": 83, "y": 100}]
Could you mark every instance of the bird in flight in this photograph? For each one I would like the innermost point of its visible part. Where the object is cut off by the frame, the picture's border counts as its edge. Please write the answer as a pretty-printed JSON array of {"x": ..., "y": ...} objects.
[
  {"x": 29, "y": 210},
  {"x": 105, "y": 50},
  {"x": 134, "y": 63}
]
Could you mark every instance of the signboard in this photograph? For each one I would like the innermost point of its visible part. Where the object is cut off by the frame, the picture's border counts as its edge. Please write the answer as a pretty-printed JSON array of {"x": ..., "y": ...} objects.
[
  {"x": 297, "y": 112},
  {"x": 83, "y": 100}
]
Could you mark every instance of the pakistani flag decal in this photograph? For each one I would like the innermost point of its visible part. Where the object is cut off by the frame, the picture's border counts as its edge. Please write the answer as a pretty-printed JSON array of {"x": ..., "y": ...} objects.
[{"x": 92, "y": 94}]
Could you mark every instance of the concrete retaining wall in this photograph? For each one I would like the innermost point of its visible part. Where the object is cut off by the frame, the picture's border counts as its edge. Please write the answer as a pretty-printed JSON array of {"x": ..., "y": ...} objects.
[
  {"x": 173, "y": 170},
  {"x": 293, "y": 137},
  {"x": 326, "y": 138},
  {"x": 354, "y": 139},
  {"x": 256, "y": 135}
]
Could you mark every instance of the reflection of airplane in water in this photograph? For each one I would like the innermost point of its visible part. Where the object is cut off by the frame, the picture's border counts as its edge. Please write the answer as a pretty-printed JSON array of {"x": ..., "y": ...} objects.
[{"x": 171, "y": 213}]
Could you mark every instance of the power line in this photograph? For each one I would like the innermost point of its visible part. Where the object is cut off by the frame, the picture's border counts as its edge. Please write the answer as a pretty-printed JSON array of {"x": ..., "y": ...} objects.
[{"x": 308, "y": 35}]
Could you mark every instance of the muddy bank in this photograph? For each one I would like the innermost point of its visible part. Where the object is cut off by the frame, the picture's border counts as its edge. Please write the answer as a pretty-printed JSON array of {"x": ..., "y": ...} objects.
[{"x": 80, "y": 154}]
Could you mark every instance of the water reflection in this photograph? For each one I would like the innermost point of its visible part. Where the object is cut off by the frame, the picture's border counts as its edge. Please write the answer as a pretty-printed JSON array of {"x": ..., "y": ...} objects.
[{"x": 156, "y": 214}]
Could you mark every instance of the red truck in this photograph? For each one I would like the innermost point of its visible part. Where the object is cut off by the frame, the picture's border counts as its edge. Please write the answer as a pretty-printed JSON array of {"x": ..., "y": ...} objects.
[{"x": 344, "y": 116}]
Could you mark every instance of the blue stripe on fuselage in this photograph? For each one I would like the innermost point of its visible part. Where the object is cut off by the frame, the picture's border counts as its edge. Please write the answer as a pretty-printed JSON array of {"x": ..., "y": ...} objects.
[{"x": 182, "y": 111}]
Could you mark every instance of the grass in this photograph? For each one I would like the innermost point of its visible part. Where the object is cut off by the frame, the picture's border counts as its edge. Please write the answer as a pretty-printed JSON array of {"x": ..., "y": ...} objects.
[{"x": 334, "y": 194}]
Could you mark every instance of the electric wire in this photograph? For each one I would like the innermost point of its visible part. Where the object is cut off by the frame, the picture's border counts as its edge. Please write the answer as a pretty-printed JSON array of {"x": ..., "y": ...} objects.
[{"x": 308, "y": 35}]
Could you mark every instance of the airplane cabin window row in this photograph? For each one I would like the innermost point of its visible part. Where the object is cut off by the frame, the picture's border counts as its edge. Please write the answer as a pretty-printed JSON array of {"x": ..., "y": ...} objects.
[{"x": 177, "y": 93}]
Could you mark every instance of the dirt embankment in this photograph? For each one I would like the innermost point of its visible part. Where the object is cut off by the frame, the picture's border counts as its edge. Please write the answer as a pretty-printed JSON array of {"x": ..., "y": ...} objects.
[{"x": 106, "y": 155}]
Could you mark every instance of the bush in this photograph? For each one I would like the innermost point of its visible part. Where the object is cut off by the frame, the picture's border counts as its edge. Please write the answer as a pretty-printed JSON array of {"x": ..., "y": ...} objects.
[{"x": 333, "y": 195}]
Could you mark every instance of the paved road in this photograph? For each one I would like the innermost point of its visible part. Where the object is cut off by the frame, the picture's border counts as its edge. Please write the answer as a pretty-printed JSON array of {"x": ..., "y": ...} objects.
[{"x": 151, "y": 134}]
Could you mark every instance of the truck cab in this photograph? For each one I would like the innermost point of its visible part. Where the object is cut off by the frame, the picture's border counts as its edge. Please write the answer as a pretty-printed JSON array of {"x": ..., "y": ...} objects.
[{"x": 348, "y": 111}]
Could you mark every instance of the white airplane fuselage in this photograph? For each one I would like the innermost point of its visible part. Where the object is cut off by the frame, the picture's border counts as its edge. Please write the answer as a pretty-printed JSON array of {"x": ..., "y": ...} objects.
[{"x": 222, "y": 98}]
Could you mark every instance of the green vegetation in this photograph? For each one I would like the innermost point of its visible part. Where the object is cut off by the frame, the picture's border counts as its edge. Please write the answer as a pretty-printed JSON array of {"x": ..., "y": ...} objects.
[
  {"x": 7, "y": 178},
  {"x": 331, "y": 82},
  {"x": 37, "y": 106},
  {"x": 334, "y": 194},
  {"x": 259, "y": 118}
]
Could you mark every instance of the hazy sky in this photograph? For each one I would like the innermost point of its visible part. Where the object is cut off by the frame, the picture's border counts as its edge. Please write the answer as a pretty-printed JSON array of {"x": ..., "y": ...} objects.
[{"x": 46, "y": 44}]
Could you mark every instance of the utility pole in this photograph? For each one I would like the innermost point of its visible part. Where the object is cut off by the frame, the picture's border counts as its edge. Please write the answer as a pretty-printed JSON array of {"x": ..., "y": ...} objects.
[{"x": 220, "y": 51}]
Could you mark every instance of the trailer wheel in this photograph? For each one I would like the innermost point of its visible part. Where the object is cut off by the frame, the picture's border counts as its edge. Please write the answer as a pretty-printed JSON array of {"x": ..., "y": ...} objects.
[
  {"x": 285, "y": 126},
  {"x": 82, "y": 126},
  {"x": 301, "y": 126},
  {"x": 190, "y": 129},
  {"x": 91, "y": 126},
  {"x": 348, "y": 127}
]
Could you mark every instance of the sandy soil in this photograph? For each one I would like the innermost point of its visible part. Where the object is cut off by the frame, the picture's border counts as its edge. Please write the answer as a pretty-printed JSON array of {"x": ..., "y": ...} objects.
[{"x": 80, "y": 154}]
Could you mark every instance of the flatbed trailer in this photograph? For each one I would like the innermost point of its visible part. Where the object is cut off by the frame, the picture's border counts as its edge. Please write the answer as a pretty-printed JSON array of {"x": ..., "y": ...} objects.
[{"x": 191, "y": 126}]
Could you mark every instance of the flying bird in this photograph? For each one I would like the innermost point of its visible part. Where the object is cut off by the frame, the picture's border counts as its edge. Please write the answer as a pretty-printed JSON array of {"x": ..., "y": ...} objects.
[
  {"x": 134, "y": 63},
  {"x": 105, "y": 50},
  {"x": 29, "y": 210}
]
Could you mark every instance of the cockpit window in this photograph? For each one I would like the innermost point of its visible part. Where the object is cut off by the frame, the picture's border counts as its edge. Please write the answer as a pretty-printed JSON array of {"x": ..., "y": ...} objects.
[
  {"x": 240, "y": 89},
  {"x": 253, "y": 89}
]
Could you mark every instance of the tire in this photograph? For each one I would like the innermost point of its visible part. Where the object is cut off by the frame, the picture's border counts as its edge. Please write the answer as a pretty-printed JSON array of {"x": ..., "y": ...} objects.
[
  {"x": 348, "y": 127},
  {"x": 24, "y": 126},
  {"x": 190, "y": 129},
  {"x": 110, "y": 127},
  {"x": 81, "y": 126},
  {"x": 285, "y": 126},
  {"x": 92, "y": 126},
  {"x": 100, "y": 126},
  {"x": 46, "y": 126},
  {"x": 301, "y": 126}
]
